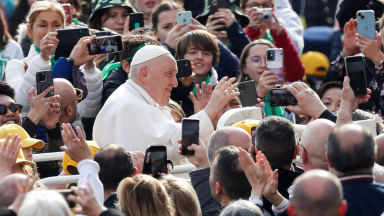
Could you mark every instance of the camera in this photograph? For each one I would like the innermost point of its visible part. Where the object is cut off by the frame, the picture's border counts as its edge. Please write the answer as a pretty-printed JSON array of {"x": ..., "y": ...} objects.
[
  {"x": 41, "y": 77},
  {"x": 362, "y": 16},
  {"x": 270, "y": 55},
  {"x": 266, "y": 17}
]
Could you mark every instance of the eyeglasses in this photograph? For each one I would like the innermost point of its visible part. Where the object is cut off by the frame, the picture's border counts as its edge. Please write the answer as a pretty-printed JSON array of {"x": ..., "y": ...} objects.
[
  {"x": 264, "y": 5},
  {"x": 79, "y": 94},
  {"x": 299, "y": 143},
  {"x": 15, "y": 108},
  {"x": 256, "y": 62}
]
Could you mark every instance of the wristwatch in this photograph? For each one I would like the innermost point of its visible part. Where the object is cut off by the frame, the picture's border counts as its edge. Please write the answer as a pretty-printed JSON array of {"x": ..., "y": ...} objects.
[
  {"x": 71, "y": 60},
  {"x": 381, "y": 63},
  {"x": 254, "y": 198}
]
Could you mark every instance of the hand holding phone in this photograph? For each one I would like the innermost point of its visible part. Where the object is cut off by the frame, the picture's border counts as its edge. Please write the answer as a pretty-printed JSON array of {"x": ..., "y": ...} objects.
[
  {"x": 183, "y": 68},
  {"x": 190, "y": 134},
  {"x": 184, "y": 17},
  {"x": 248, "y": 95},
  {"x": 155, "y": 161},
  {"x": 281, "y": 97},
  {"x": 136, "y": 20},
  {"x": 275, "y": 63},
  {"x": 354, "y": 66},
  {"x": 215, "y": 5},
  {"x": 366, "y": 23}
]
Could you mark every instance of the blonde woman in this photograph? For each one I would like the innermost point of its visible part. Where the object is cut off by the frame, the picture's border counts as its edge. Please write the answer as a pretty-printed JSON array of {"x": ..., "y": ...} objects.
[
  {"x": 183, "y": 196},
  {"x": 143, "y": 195}
]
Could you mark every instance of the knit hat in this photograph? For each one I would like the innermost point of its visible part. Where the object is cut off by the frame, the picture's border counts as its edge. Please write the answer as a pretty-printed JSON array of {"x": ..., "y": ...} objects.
[
  {"x": 26, "y": 140},
  {"x": 102, "y": 4},
  {"x": 147, "y": 53},
  {"x": 67, "y": 161},
  {"x": 315, "y": 63},
  {"x": 232, "y": 5}
]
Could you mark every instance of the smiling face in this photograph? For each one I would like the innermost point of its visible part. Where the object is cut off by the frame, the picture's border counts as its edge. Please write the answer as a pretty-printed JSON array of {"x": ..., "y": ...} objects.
[
  {"x": 202, "y": 60},
  {"x": 167, "y": 20},
  {"x": 9, "y": 117},
  {"x": 114, "y": 19},
  {"x": 45, "y": 22},
  {"x": 162, "y": 79},
  {"x": 332, "y": 99},
  {"x": 147, "y": 6},
  {"x": 257, "y": 55}
]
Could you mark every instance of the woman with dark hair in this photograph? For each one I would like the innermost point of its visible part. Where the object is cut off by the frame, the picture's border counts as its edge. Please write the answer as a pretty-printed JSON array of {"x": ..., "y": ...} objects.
[
  {"x": 330, "y": 94},
  {"x": 9, "y": 49}
]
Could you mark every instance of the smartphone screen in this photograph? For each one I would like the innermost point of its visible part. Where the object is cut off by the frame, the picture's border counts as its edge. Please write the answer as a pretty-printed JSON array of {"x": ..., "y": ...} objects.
[
  {"x": 281, "y": 97},
  {"x": 356, "y": 74},
  {"x": 44, "y": 80},
  {"x": 136, "y": 20},
  {"x": 190, "y": 135},
  {"x": 158, "y": 162},
  {"x": 107, "y": 44},
  {"x": 183, "y": 68}
]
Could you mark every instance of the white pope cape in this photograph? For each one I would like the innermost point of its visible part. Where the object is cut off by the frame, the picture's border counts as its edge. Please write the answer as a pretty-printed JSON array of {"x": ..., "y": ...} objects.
[{"x": 132, "y": 119}]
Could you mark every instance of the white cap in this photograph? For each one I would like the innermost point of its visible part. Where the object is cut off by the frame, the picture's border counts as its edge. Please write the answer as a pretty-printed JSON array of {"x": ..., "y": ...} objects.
[{"x": 147, "y": 53}]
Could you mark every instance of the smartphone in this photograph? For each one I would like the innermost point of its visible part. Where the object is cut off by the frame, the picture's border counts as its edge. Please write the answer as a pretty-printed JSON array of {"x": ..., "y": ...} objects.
[
  {"x": 253, "y": 135},
  {"x": 136, "y": 20},
  {"x": 248, "y": 95},
  {"x": 68, "y": 38},
  {"x": 183, "y": 68},
  {"x": 190, "y": 135},
  {"x": 155, "y": 160},
  {"x": 65, "y": 193},
  {"x": 106, "y": 44},
  {"x": 101, "y": 33},
  {"x": 44, "y": 80},
  {"x": 366, "y": 23},
  {"x": 68, "y": 13},
  {"x": 275, "y": 63},
  {"x": 354, "y": 66},
  {"x": 281, "y": 97},
  {"x": 214, "y": 7},
  {"x": 184, "y": 17}
]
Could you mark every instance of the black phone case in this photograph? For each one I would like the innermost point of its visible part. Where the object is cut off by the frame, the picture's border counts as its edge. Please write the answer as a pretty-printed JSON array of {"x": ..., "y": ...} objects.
[
  {"x": 42, "y": 85},
  {"x": 184, "y": 150},
  {"x": 183, "y": 68},
  {"x": 134, "y": 19},
  {"x": 281, "y": 97},
  {"x": 147, "y": 167},
  {"x": 248, "y": 95},
  {"x": 214, "y": 7},
  {"x": 68, "y": 38},
  {"x": 357, "y": 81}
]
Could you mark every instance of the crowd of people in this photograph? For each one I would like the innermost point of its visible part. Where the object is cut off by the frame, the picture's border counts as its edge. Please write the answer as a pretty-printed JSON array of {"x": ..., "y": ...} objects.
[{"x": 103, "y": 111}]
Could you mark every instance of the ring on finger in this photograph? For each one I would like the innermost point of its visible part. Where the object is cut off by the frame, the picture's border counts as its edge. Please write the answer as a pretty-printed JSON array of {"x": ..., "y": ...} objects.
[
  {"x": 76, "y": 139},
  {"x": 226, "y": 92}
]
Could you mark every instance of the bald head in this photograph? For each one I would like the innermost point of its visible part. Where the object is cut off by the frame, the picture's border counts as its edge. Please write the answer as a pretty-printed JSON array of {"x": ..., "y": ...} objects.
[
  {"x": 228, "y": 136},
  {"x": 351, "y": 150},
  {"x": 380, "y": 149},
  {"x": 65, "y": 89},
  {"x": 8, "y": 188},
  {"x": 317, "y": 192},
  {"x": 314, "y": 140}
]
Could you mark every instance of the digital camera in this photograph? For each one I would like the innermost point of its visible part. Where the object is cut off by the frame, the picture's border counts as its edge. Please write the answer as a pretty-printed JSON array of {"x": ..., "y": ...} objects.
[{"x": 266, "y": 17}]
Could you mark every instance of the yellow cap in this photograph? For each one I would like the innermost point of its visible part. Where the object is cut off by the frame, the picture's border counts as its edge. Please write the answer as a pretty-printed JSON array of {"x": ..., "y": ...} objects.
[
  {"x": 21, "y": 158},
  {"x": 26, "y": 140},
  {"x": 67, "y": 161},
  {"x": 315, "y": 63},
  {"x": 246, "y": 125}
]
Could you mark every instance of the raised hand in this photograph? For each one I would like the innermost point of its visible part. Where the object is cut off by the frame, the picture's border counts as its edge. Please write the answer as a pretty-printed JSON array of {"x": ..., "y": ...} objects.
[
  {"x": 22, "y": 191},
  {"x": 370, "y": 48},
  {"x": 80, "y": 53},
  {"x": 48, "y": 44},
  {"x": 126, "y": 31},
  {"x": 275, "y": 27},
  {"x": 350, "y": 31},
  {"x": 267, "y": 81},
  {"x": 200, "y": 159},
  {"x": 76, "y": 148},
  {"x": 8, "y": 154},
  {"x": 175, "y": 35},
  {"x": 87, "y": 200},
  {"x": 203, "y": 97},
  {"x": 41, "y": 105}
]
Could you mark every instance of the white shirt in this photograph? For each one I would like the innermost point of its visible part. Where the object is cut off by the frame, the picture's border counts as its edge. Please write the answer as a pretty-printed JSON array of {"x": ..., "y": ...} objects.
[
  {"x": 132, "y": 119},
  {"x": 12, "y": 51}
]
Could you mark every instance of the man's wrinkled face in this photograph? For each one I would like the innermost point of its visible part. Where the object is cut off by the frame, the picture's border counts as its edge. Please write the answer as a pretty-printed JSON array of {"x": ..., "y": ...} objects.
[
  {"x": 9, "y": 117},
  {"x": 163, "y": 79}
]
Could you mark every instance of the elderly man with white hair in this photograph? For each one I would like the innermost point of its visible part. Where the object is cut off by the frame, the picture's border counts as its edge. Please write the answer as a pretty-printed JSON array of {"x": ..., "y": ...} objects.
[{"x": 134, "y": 116}]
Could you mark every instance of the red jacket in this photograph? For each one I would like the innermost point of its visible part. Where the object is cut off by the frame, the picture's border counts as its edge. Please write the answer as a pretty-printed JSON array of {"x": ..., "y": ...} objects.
[{"x": 293, "y": 67}]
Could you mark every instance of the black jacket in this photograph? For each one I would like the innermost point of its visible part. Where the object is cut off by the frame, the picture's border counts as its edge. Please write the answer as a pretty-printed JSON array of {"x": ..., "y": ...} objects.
[
  {"x": 117, "y": 77},
  {"x": 180, "y": 94},
  {"x": 316, "y": 12}
]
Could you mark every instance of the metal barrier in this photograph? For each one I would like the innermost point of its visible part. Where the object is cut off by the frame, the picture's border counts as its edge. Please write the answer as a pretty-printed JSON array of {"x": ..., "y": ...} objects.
[
  {"x": 48, "y": 156},
  {"x": 75, "y": 178}
]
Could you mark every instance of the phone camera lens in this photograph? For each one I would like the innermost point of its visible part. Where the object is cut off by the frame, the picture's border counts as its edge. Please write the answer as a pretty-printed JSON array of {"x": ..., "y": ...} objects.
[
  {"x": 42, "y": 77},
  {"x": 362, "y": 17},
  {"x": 185, "y": 64},
  {"x": 359, "y": 14}
]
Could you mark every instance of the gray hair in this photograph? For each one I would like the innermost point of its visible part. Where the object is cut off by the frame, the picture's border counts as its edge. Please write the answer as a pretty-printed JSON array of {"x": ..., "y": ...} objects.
[
  {"x": 363, "y": 115},
  {"x": 218, "y": 140},
  {"x": 241, "y": 208}
]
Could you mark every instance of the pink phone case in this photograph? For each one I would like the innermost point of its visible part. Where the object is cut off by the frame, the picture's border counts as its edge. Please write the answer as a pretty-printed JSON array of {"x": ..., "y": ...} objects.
[{"x": 276, "y": 66}]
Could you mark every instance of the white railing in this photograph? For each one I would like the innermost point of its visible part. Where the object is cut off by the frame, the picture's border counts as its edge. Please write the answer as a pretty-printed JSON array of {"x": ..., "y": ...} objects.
[
  {"x": 48, "y": 156},
  {"x": 75, "y": 178}
]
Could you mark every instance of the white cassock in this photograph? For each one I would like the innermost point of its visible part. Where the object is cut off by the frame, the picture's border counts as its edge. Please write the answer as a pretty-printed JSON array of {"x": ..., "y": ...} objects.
[{"x": 132, "y": 119}]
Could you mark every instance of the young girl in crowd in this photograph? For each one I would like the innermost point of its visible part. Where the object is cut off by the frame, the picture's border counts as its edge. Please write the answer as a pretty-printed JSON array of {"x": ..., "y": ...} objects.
[
  {"x": 275, "y": 33},
  {"x": 9, "y": 49}
]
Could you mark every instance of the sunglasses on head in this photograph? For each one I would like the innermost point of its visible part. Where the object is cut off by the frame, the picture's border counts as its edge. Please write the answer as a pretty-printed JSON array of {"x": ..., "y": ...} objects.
[{"x": 15, "y": 108}]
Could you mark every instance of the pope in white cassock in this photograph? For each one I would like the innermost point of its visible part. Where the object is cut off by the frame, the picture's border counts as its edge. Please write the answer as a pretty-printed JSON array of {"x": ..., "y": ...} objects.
[{"x": 134, "y": 116}]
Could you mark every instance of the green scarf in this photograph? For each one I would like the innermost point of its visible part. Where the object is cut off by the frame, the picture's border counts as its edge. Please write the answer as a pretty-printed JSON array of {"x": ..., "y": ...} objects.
[
  {"x": 207, "y": 80},
  {"x": 75, "y": 20},
  {"x": 269, "y": 110},
  {"x": 5, "y": 40},
  {"x": 268, "y": 36},
  {"x": 52, "y": 60},
  {"x": 111, "y": 66}
]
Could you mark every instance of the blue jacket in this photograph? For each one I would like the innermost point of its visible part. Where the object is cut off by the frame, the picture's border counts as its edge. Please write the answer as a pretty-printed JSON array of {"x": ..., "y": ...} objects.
[
  {"x": 364, "y": 196},
  {"x": 238, "y": 39}
]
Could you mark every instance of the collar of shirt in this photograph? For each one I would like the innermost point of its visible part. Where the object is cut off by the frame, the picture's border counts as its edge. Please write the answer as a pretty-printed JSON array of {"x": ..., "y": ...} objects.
[
  {"x": 356, "y": 177},
  {"x": 146, "y": 96}
]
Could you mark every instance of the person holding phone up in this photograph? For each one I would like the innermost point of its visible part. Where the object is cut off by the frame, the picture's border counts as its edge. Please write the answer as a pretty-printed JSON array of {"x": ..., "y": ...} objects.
[{"x": 372, "y": 51}]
